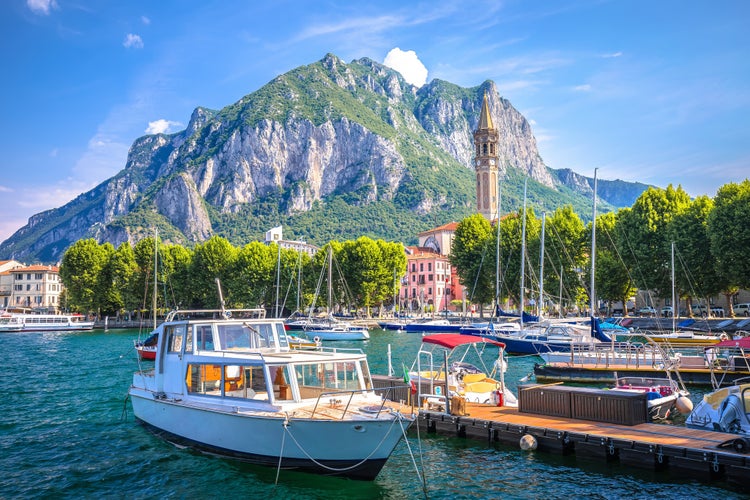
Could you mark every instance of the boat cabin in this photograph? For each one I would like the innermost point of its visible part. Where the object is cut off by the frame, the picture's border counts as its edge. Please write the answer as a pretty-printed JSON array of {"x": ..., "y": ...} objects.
[{"x": 251, "y": 360}]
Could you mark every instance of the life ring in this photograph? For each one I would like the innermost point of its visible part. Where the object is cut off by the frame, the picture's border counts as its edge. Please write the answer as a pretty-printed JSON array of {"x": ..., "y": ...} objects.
[
  {"x": 316, "y": 339},
  {"x": 723, "y": 337}
]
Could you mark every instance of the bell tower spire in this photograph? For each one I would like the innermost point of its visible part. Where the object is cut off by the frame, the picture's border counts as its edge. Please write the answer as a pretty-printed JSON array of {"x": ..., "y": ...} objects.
[{"x": 486, "y": 163}]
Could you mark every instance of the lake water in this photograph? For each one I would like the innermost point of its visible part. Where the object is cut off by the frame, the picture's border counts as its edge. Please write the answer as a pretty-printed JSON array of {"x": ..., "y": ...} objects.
[{"x": 67, "y": 431}]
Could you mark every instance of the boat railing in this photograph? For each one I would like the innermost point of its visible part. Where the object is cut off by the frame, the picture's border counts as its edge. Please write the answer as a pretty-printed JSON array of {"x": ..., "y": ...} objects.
[
  {"x": 187, "y": 314},
  {"x": 336, "y": 399},
  {"x": 626, "y": 354}
]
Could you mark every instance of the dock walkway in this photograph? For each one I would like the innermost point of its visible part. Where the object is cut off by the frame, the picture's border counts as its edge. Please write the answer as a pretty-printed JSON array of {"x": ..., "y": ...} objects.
[{"x": 705, "y": 455}]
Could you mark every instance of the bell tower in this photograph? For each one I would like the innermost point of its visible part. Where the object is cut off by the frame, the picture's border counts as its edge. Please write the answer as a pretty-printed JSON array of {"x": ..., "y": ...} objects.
[{"x": 486, "y": 163}]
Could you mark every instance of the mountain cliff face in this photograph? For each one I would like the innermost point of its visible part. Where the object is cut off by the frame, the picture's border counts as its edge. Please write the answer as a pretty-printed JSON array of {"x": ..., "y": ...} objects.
[{"x": 297, "y": 148}]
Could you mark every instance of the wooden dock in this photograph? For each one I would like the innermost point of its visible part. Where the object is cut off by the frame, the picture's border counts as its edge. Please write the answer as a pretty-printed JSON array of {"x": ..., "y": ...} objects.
[{"x": 704, "y": 455}]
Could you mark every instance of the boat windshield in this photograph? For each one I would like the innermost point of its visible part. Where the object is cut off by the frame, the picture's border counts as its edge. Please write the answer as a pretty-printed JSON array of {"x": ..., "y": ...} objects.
[{"x": 246, "y": 336}]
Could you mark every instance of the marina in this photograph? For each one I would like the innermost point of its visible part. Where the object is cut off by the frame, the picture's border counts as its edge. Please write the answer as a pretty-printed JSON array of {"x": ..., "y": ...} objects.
[{"x": 80, "y": 439}]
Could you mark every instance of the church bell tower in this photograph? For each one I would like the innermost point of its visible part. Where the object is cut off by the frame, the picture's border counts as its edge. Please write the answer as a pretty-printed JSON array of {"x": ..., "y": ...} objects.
[{"x": 486, "y": 163}]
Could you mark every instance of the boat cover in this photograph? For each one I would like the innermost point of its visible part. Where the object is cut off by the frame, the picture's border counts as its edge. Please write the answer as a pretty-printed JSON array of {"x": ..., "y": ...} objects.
[{"x": 453, "y": 340}]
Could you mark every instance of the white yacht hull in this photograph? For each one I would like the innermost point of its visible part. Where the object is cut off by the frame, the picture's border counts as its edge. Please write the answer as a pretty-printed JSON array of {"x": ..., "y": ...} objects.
[{"x": 357, "y": 449}]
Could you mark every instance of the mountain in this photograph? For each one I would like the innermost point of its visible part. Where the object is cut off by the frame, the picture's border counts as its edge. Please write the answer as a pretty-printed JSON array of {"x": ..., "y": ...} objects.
[{"x": 330, "y": 150}]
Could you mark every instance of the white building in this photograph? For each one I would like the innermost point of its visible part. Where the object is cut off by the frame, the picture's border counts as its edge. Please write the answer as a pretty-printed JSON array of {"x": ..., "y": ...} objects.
[{"x": 275, "y": 235}]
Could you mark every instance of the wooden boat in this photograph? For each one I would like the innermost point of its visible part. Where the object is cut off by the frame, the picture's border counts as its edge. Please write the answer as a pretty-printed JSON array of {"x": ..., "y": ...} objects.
[{"x": 228, "y": 383}]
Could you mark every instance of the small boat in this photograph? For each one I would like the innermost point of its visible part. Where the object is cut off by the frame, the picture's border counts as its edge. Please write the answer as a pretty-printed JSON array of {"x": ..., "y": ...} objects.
[
  {"x": 432, "y": 326},
  {"x": 338, "y": 331},
  {"x": 549, "y": 336},
  {"x": 724, "y": 410},
  {"x": 147, "y": 349},
  {"x": 227, "y": 382},
  {"x": 21, "y": 322},
  {"x": 663, "y": 395},
  {"x": 464, "y": 379}
]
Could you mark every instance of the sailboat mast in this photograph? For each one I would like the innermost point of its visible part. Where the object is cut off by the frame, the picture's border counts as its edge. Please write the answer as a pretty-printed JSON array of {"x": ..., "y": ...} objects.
[
  {"x": 278, "y": 277},
  {"x": 523, "y": 254},
  {"x": 497, "y": 251},
  {"x": 674, "y": 302},
  {"x": 156, "y": 284},
  {"x": 330, "y": 276},
  {"x": 593, "y": 251},
  {"x": 541, "y": 268}
]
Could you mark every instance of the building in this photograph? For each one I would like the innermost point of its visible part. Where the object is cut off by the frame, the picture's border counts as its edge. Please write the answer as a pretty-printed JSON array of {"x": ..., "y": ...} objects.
[
  {"x": 486, "y": 163},
  {"x": 431, "y": 282},
  {"x": 36, "y": 287},
  {"x": 6, "y": 281},
  {"x": 275, "y": 235}
]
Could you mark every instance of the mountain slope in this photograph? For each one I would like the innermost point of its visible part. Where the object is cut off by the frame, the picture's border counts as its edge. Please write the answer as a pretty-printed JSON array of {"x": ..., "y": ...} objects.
[{"x": 329, "y": 150}]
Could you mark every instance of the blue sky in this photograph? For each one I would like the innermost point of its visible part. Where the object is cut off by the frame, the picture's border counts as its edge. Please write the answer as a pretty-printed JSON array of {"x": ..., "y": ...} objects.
[{"x": 650, "y": 91}]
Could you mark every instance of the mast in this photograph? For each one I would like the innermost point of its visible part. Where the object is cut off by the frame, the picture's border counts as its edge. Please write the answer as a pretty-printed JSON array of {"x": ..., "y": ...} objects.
[
  {"x": 497, "y": 252},
  {"x": 674, "y": 303},
  {"x": 593, "y": 251},
  {"x": 278, "y": 277},
  {"x": 541, "y": 268},
  {"x": 330, "y": 276},
  {"x": 523, "y": 254},
  {"x": 156, "y": 284}
]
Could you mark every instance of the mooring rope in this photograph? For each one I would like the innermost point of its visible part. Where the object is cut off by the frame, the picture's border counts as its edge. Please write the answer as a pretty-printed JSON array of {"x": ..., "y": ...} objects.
[
  {"x": 281, "y": 451},
  {"x": 421, "y": 477},
  {"x": 344, "y": 469}
]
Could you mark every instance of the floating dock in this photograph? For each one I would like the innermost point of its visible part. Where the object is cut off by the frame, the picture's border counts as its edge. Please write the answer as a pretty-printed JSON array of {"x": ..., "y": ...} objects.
[
  {"x": 704, "y": 455},
  {"x": 592, "y": 424}
]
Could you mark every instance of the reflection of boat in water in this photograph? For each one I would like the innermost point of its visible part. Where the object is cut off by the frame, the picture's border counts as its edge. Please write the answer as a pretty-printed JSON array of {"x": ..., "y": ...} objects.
[
  {"x": 473, "y": 384},
  {"x": 230, "y": 385}
]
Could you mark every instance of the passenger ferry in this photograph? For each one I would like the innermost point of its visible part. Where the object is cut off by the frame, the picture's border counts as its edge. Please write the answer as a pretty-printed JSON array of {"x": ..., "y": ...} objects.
[{"x": 19, "y": 322}]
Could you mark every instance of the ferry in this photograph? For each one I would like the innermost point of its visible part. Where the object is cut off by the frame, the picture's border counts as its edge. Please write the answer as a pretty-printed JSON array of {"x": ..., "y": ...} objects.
[{"x": 18, "y": 322}]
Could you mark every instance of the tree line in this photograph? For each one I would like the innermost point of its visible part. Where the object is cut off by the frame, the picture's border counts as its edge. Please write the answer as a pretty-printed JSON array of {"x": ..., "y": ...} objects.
[
  {"x": 633, "y": 252},
  {"x": 107, "y": 281},
  {"x": 634, "y": 248}
]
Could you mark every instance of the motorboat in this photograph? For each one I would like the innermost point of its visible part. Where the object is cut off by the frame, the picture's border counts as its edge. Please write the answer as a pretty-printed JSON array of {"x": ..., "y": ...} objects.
[
  {"x": 338, "y": 331},
  {"x": 432, "y": 326},
  {"x": 548, "y": 336},
  {"x": 227, "y": 382},
  {"x": 22, "y": 322},
  {"x": 147, "y": 348},
  {"x": 663, "y": 395},
  {"x": 724, "y": 410},
  {"x": 463, "y": 379}
]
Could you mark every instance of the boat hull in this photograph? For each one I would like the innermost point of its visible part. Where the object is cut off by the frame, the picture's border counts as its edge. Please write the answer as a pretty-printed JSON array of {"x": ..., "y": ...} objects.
[
  {"x": 355, "y": 449},
  {"x": 334, "y": 335}
]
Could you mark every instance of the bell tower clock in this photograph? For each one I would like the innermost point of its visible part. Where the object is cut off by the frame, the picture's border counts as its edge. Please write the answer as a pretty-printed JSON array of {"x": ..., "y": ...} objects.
[{"x": 486, "y": 163}]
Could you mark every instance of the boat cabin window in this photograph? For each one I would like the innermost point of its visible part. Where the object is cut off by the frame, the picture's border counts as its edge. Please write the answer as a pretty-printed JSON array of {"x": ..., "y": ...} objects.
[
  {"x": 236, "y": 381},
  {"x": 316, "y": 378},
  {"x": 175, "y": 337},
  {"x": 247, "y": 336},
  {"x": 204, "y": 338},
  {"x": 282, "y": 391}
]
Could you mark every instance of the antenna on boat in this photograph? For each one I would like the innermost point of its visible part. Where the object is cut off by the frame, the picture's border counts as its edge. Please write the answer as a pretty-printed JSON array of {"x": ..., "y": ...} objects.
[{"x": 221, "y": 297}]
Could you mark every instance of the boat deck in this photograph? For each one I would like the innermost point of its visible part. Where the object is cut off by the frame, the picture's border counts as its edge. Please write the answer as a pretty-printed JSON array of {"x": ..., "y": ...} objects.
[{"x": 705, "y": 455}]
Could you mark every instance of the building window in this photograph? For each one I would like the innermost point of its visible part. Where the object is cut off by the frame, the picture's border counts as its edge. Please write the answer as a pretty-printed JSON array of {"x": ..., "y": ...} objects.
[
  {"x": 38, "y": 276},
  {"x": 413, "y": 267},
  {"x": 28, "y": 276},
  {"x": 19, "y": 276},
  {"x": 429, "y": 291},
  {"x": 429, "y": 277},
  {"x": 421, "y": 267},
  {"x": 429, "y": 266}
]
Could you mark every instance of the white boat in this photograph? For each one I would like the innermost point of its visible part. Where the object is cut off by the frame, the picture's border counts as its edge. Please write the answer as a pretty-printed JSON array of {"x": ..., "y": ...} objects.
[
  {"x": 469, "y": 382},
  {"x": 228, "y": 383},
  {"x": 724, "y": 410},
  {"x": 20, "y": 322},
  {"x": 343, "y": 331}
]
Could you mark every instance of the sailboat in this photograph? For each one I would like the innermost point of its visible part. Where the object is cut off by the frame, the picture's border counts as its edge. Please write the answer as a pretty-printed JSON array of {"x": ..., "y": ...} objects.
[
  {"x": 331, "y": 329},
  {"x": 147, "y": 349}
]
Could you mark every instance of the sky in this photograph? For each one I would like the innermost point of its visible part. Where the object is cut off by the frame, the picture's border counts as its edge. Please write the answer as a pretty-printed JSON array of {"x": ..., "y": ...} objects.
[{"x": 650, "y": 91}]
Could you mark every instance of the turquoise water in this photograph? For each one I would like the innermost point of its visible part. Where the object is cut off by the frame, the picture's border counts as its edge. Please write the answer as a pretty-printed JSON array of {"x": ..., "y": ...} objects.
[{"x": 67, "y": 431}]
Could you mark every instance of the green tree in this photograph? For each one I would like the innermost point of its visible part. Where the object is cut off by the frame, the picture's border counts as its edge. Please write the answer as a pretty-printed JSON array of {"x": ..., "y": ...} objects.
[
  {"x": 211, "y": 260},
  {"x": 79, "y": 271},
  {"x": 644, "y": 232},
  {"x": 113, "y": 278},
  {"x": 566, "y": 252},
  {"x": 473, "y": 256},
  {"x": 730, "y": 236},
  {"x": 252, "y": 281},
  {"x": 612, "y": 280}
]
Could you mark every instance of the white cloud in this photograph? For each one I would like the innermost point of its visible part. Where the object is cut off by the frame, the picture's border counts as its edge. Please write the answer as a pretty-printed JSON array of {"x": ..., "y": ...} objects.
[
  {"x": 41, "y": 7},
  {"x": 408, "y": 64},
  {"x": 145, "y": 20},
  {"x": 132, "y": 41},
  {"x": 4, "y": 189},
  {"x": 614, "y": 54},
  {"x": 161, "y": 126},
  {"x": 582, "y": 88}
]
